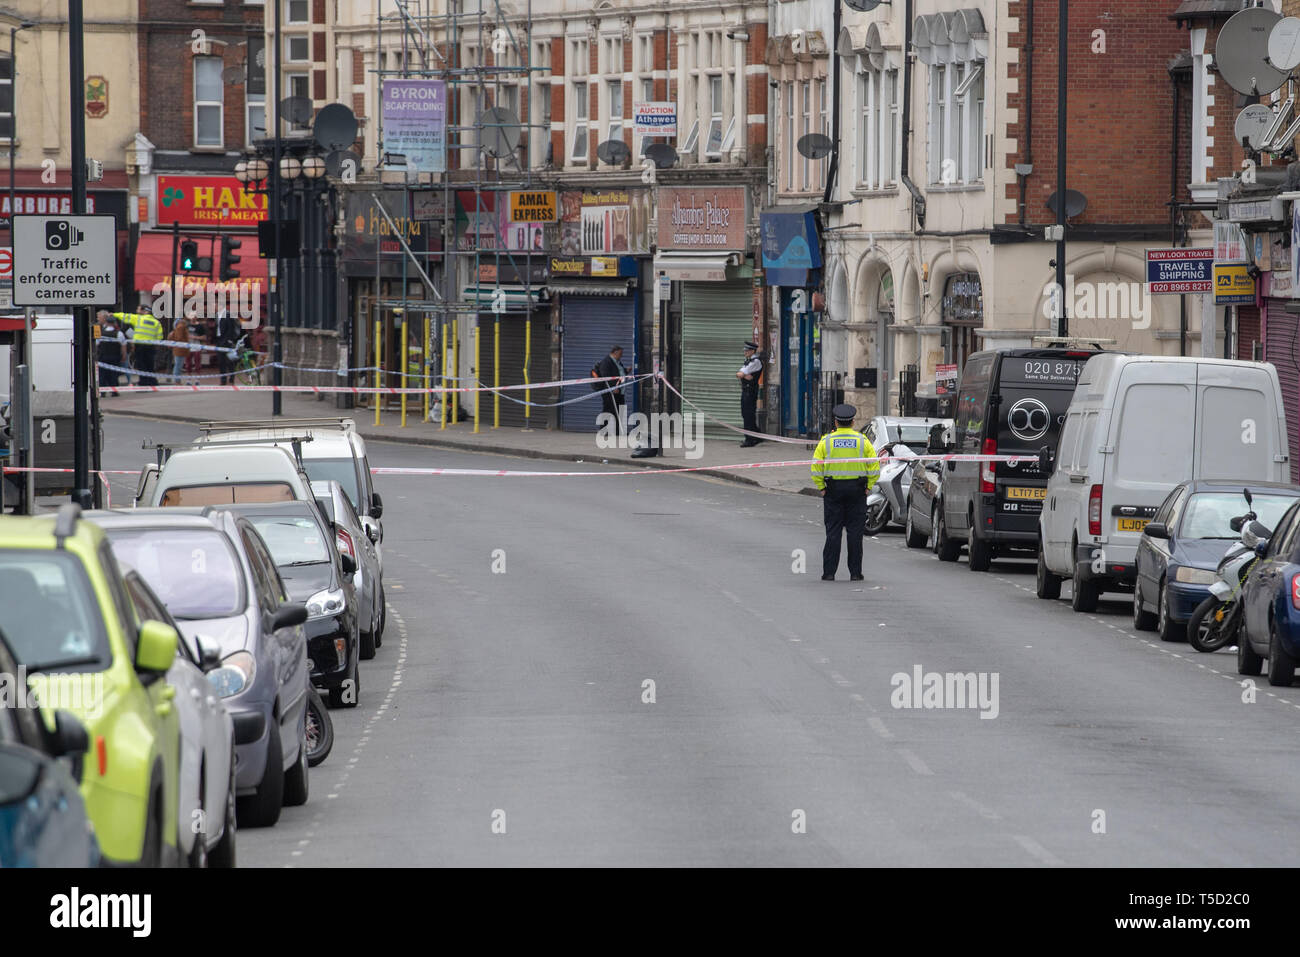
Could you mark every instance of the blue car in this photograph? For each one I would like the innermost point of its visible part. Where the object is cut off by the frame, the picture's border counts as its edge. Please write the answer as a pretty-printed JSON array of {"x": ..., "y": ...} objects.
[
  {"x": 43, "y": 819},
  {"x": 1181, "y": 547},
  {"x": 1271, "y": 624}
]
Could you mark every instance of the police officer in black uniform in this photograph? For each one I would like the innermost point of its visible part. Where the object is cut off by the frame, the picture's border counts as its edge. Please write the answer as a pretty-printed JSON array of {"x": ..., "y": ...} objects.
[{"x": 749, "y": 375}]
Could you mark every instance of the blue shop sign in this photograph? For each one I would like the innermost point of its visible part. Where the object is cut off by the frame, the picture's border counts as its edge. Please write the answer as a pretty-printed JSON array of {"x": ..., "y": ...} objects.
[{"x": 790, "y": 249}]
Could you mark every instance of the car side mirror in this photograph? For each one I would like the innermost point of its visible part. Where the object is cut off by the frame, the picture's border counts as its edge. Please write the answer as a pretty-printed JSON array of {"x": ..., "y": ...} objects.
[
  {"x": 69, "y": 739},
  {"x": 1261, "y": 548},
  {"x": 156, "y": 650},
  {"x": 349, "y": 564},
  {"x": 376, "y": 505},
  {"x": 289, "y": 615},
  {"x": 209, "y": 653},
  {"x": 372, "y": 533},
  {"x": 1157, "y": 530}
]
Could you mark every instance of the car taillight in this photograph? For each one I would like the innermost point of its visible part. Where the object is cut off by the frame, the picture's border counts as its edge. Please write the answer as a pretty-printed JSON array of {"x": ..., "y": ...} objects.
[
  {"x": 1295, "y": 591},
  {"x": 986, "y": 468},
  {"x": 1094, "y": 511},
  {"x": 344, "y": 542}
]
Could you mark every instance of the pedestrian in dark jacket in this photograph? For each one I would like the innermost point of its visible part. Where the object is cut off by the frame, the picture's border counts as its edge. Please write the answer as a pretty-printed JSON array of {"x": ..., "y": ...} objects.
[
  {"x": 611, "y": 367},
  {"x": 227, "y": 336}
]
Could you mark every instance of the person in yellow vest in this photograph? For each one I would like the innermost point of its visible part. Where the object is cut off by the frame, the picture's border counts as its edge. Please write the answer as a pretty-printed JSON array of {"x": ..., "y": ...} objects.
[
  {"x": 844, "y": 486},
  {"x": 146, "y": 331}
]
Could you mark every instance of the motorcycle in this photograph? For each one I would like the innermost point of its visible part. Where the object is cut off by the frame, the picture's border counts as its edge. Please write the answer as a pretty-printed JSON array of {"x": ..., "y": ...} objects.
[
  {"x": 1215, "y": 621},
  {"x": 320, "y": 729},
  {"x": 887, "y": 500}
]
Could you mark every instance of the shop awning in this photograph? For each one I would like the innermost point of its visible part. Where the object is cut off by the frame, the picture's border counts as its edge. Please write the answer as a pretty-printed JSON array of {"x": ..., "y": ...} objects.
[
  {"x": 591, "y": 287},
  {"x": 153, "y": 258},
  {"x": 695, "y": 267},
  {"x": 517, "y": 298}
]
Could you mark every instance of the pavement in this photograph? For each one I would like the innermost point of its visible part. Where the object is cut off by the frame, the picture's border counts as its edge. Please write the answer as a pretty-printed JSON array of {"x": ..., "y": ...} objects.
[
  {"x": 645, "y": 671},
  {"x": 536, "y": 443}
]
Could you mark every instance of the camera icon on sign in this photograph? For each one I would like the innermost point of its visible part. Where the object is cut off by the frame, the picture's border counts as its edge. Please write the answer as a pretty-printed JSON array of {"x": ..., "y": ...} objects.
[{"x": 60, "y": 234}]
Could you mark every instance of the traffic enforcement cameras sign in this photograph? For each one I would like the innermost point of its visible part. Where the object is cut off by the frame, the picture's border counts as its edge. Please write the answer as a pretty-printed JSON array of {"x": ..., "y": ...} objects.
[{"x": 65, "y": 260}]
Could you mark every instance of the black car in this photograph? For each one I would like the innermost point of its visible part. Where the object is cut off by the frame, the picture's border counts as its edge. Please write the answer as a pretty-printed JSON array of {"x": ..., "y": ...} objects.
[
  {"x": 314, "y": 573},
  {"x": 1010, "y": 402}
]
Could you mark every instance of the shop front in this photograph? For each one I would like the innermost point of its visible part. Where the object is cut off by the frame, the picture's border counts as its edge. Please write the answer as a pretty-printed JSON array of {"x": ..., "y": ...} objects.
[
  {"x": 792, "y": 263},
  {"x": 963, "y": 315},
  {"x": 702, "y": 250},
  {"x": 513, "y": 346}
]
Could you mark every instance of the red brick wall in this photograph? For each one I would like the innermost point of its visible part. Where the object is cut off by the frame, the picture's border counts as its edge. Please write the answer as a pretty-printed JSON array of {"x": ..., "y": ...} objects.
[
  {"x": 558, "y": 54},
  {"x": 757, "y": 92}
]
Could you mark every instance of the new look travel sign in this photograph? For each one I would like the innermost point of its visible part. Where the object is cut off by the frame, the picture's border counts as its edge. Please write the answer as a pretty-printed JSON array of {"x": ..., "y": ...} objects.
[{"x": 1180, "y": 270}]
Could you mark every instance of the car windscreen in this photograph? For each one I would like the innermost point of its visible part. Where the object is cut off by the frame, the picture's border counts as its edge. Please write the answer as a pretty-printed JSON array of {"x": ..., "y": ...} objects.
[
  {"x": 912, "y": 435},
  {"x": 49, "y": 613},
  {"x": 343, "y": 471},
  {"x": 292, "y": 539},
  {"x": 1208, "y": 513},
  {"x": 247, "y": 493},
  {"x": 194, "y": 571}
]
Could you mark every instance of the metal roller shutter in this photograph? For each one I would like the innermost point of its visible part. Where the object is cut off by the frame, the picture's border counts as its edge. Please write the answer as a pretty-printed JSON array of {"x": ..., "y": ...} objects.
[
  {"x": 592, "y": 326},
  {"x": 1248, "y": 331},
  {"x": 1283, "y": 350},
  {"x": 512, "y": 368},
  {"x": 717, "y": 319}
]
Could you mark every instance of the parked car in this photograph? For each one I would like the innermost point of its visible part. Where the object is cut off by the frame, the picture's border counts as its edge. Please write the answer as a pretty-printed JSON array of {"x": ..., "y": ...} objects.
[
  {"x": 1137, "y": 427},
  {"x": 236, "y": 599},
  {"x": 206, "y": 789},
  {"x": 70, "y": 623},
  {"x": 915, "y": 432},
  {"x": 352, "y": 540},
  {"x": 925, "y": 488},
  {"x": 1181, "y": 546},
  {"x": 43, "y": 820},
  {"x": 336, "y": 452},
  {"x": 1270, "y": 627},
  {"x": 224, "y": 474},
  {"x": 315, "y": 574},
  {"x": 1010, "y": 402}
]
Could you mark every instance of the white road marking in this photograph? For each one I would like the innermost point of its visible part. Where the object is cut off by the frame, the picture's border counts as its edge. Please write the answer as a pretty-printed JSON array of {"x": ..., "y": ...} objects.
[
  {"x": 878, "y": 726},
  {"x": 916, "y": 764},
  {"x": 1037, "y": 850}
]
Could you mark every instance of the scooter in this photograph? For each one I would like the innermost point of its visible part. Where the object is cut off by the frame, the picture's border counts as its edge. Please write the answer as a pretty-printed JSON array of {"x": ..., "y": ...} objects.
[
  {"x": 1215, "y": 621},
  {"x": 888, "y": 498}
]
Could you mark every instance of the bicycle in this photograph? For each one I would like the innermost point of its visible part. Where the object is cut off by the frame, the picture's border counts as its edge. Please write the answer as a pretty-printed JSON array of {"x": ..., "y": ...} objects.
[{"x": 246, "y": 366}]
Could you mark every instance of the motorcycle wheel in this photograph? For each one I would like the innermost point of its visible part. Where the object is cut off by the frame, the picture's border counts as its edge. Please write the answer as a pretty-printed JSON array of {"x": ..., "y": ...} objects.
[
  {"x": 320, "y": 729},
  {"x": 877, "y": 519},
  {"x": 1213, "y": 625}
]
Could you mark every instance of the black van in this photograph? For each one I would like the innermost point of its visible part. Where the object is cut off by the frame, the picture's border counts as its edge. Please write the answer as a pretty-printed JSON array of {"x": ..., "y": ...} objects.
[{"x": 1009, "y": 402}]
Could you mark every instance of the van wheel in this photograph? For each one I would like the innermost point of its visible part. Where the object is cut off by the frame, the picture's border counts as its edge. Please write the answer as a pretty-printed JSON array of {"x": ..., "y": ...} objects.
[
  {"x": 1248, "y": 662},
  {"x": 1281, "y": 666},
  {"x": 980, "y": 552},
  {"x": 944, "y": 547},
  {"x": 913, "y": 538},
  {"x": 1048, "y": 584},
  {"x": 1166, "y": 627},
  {"x": 1142, "y": 620},
  {"x": 1084, "y": 593}
]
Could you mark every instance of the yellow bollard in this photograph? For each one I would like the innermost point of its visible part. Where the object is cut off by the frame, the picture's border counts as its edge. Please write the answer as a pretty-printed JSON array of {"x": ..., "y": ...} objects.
[
  {"x": 445, "y": 397},
  {"x": 426, "y": 365},
  {"x": 379, "y": 364},
  {"x": 477, "y": 394},
  {"x": 496, "y": 372},
  {"x": 455, "y": 369},
  {"x": 528, "y": 351},
  {"x": 406, "y": 362}
]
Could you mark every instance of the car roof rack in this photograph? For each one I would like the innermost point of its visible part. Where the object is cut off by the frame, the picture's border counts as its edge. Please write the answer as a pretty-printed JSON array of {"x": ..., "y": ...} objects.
[
  {"x": 234, "y": 425},
  {"x": 1072, "y": 342},
  {"x": 65, "y": 522},
  {"x": 165, "y": 449}
]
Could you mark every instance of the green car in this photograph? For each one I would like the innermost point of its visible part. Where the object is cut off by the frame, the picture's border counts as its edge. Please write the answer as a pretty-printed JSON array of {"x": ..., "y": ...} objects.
[{"x": 73, "y": 630}]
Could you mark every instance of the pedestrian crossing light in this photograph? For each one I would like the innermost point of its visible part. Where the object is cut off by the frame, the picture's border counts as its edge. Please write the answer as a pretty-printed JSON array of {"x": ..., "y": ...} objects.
[
  {"x": 229, "y": 260},
  {"x": 189, "y": 255}
]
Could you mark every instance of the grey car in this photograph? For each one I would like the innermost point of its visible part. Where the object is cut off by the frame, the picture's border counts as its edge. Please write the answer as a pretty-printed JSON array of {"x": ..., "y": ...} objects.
[
  {"x": 354, "y": 539},
  {"x": 215, "y": 575}
]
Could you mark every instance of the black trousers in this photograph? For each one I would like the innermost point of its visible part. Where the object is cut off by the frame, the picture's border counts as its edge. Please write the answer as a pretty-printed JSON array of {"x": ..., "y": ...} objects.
[
  {"x": 145, "y": 358},
  {"x": 749, "y": 409},
  {"x": 108, "y": 377},
  {"x": 844, "y": 509},
  {"x": 611, "y": 405},
  {"x": 226, "y": 366}
]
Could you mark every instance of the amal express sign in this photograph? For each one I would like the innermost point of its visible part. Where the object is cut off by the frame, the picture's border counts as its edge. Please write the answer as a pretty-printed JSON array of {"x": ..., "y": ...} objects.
[{"x": 415, "y": 123}]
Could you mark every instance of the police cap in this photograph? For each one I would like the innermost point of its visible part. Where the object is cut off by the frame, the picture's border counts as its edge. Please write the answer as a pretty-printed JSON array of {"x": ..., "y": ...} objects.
[
  {"x": 844, "y": 412},
  {"x": 751, "y": 345}
]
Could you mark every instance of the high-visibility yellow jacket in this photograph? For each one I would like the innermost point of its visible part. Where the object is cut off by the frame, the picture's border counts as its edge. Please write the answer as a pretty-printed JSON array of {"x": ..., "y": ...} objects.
[
  {"x": 844, "y": 443},
  {"x": 147, "y": 327}
]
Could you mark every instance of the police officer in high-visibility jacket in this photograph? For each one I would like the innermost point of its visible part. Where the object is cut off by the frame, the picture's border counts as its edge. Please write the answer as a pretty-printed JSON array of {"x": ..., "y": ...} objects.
[
  {"x": 844, "y": 486},
  {"x": 147, "y": 330}
]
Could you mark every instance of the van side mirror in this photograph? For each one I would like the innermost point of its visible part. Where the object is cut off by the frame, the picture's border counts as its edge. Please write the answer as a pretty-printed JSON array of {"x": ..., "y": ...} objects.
[{"x": 156, "y": 646}]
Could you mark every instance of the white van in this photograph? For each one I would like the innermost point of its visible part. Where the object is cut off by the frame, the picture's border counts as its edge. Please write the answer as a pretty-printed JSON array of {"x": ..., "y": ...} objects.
[
  {"x": 214, "y": 475},
  {"x": 1137, "y": 426}
]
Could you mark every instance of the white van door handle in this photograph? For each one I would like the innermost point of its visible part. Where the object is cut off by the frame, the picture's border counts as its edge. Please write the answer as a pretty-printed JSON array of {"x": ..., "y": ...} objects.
[{"x": 1076, "y": 478}]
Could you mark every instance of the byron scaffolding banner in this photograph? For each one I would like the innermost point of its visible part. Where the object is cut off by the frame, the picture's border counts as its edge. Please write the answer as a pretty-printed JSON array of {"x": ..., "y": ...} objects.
[{"x": 415, "y": 123}]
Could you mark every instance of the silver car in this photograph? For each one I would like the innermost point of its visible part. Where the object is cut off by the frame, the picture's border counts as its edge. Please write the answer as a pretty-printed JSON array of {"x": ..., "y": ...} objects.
[
  {"x": 914, "y": 431},
  {"x": 354, "y": 539}
]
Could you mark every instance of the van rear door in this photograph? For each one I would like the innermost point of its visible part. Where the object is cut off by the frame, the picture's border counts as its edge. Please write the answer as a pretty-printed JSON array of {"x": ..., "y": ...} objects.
[{"x": 1240, "y": 433}]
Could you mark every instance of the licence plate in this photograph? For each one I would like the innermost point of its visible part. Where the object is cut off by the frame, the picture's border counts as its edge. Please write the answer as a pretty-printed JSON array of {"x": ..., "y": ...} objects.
[
  {"x": 1131, "y": 524},
  {"x": 1032, "y": 494}
]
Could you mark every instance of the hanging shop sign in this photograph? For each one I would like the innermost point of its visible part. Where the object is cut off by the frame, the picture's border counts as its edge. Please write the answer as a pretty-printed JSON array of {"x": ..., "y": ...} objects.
[
  {"x": 790, "y": 248},
  {"x": 963, "y": 300},
  {"x": 596, "y": 267},
  {"x": 59, "y": 203},
  {"x": 533, "y": 206},
  {"x": 1233, "y": 284},
  {"x": 371, "y": 243},
  {"x": 415, "y": 123},
  {"x": 428, "y": 204},
  {"x": 1176, "y": 271},
  {"x": 703, "y": 218},
  {"x": 603, "y": 223},
  {"x": 208, "y": 201},
  {"x": 654, "y": 119}
]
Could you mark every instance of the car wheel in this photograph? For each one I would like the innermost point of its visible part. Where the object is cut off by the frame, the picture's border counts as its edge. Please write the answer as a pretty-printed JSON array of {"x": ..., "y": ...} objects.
[
  {"x": 980, "y": 552},
  {"x": 383, "y": 618},
  {"x": 198, "y": 856},
  {"x": 944, "y": 547},
  {"x": 1166, "y": 627},
  {"x": 1143, "y": 620},
  {"x": 223, "y": 855},
  {"x": 295, "y": 779},
  {"x": 1084, "y": 592},
  {"x": 367, "y": 644},
  {"x": 262, "y": 808},
  {"x": 1281, "y": 666},
  {"x": 339, "y": 697},
  {"x": 911, "y": 536},
  {"x": 152, "y": 851},
  {"x": 1248, "y": 661},
  {"x": 1047, "y": 585}
]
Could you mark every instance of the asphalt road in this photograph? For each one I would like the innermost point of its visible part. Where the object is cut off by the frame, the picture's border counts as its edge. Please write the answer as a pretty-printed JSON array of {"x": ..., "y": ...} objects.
[{"x": 515, "y": 700}]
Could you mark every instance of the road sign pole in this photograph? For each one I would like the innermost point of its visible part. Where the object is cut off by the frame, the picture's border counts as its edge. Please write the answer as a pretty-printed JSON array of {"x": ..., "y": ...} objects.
[{"x": 81, "y": 314}]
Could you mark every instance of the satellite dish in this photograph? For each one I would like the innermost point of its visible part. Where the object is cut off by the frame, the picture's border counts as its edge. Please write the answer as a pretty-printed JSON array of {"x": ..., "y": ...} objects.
[
  {"x": 662, "y": 155},
  {"x": 1075, "y": 203},
  {"x": 232, "y": 75},
  {"x": 338, "y": 161},
  {"x": 862, "y": 6},
  {"x": 1242, "y": 52},
  {"x": 815, "y": 145},
  {"x": 1251, "y": 124},
  {"x": 296, "y": 110},
  {"x": 500, "y": 132},
  {"x": 613, "y": 152},
  {"x": 1284, "y": 44},
  {"x": 335, "y": 127}
]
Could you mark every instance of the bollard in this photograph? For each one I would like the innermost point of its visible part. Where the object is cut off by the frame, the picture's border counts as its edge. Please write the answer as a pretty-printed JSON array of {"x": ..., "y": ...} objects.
[
  {"x": 476, "y": 368},
  {"x": 379, "y": 364}
]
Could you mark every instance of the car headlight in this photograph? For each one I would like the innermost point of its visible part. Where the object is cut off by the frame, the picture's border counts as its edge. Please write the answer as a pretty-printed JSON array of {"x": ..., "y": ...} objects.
[
  {"x": 234, "y": 675},
  {"x": 326, "y": 603},
  {"x": 1195, "y": 576}
]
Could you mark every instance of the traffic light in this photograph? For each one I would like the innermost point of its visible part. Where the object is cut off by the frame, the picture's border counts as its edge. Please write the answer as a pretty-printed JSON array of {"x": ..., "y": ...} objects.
[
  {"x": 189, "y": 255},
  {"x": 228, "y": 258}
]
